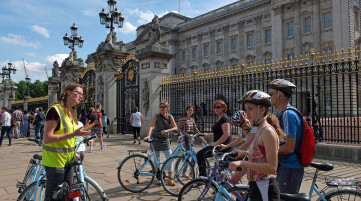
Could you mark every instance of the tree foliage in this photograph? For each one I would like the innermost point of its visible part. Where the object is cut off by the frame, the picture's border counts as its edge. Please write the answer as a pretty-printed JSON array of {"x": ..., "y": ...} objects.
[{"x": 36, "y": 89}]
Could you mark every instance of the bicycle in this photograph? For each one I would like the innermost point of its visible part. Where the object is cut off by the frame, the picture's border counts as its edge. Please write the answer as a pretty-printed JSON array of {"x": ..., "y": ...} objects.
[
  {"x": 32, "y": 171},
  {"x": 137, "y": 171},
  {"x": 218, "y": 185},
  {"x": 346, "y": 191},
  {"x": 183, "y": 170},
  {"x": 83, "y": 188}
]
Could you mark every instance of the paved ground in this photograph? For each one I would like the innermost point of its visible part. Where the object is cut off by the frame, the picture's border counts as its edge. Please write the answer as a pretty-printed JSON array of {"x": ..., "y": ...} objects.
[{"x": 101, "y": 165}]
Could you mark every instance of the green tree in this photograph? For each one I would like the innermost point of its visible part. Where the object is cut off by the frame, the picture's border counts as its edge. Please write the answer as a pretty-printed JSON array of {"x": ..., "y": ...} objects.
[{"x": 36, "y": 89}]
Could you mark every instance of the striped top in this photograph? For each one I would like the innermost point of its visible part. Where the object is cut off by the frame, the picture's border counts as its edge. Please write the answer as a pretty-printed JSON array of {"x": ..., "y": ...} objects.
[{"x": 186, "y": 124}]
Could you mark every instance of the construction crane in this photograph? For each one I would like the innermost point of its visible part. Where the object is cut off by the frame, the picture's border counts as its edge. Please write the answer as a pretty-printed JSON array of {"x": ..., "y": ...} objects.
[
  {"x": 46, "y": 70},
  {"x": 26, "y": 73}
]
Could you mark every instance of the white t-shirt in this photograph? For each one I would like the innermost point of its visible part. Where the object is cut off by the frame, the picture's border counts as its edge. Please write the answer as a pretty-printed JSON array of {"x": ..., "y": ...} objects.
[
  {"x": 6, "y": 119},
  {"x": 79, "y": 139},
  {"x": 137, "y": 121}
]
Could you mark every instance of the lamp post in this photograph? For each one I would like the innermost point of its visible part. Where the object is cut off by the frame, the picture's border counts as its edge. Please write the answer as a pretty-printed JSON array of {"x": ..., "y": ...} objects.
[
  {"x": 27, "y": 94},
  {"x": 112, "y": 17},
  {"x": 6, "y": 74},
  {"x": 74, "y": 39}
]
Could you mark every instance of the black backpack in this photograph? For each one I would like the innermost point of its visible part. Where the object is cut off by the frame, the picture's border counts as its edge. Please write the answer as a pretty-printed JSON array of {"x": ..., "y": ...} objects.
[{"x": 94, "y": 117}]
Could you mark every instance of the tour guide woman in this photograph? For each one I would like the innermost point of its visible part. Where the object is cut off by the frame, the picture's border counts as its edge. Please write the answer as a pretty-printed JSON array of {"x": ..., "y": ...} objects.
[
  {"x": 221, "y": 135},
  {"x": 60, "y": 138},
  {"x": 262, "y": 163},
  {"x": 160, "y": 125}
]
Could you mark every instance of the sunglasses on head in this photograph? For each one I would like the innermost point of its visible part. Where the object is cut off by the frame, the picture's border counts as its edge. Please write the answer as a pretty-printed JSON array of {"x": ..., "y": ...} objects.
[{"x": 217, "y": 107}]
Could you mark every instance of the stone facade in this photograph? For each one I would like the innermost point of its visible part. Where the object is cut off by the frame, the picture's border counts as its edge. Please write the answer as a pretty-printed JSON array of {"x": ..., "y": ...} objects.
[{"x": 255, "y": 31}]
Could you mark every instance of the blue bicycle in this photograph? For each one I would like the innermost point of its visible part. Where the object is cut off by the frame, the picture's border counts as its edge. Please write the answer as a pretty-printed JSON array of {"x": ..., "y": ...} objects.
[
  {"x": 137, "y": 171},
  {"x": 83, "y": 188}
]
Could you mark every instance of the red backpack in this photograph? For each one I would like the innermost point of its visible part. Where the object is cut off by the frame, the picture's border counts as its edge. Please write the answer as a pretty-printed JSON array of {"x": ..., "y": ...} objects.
[{"x": 307, "y": 147}]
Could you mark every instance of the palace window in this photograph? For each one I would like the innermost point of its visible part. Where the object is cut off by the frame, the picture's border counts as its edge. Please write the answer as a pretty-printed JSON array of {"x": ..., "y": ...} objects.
[
  {"x": 234, "y": 44},
  {"x": 249, "y": 40},
  {"x": 183, "y": 55},
  {"x": 194, "y": 53},
  {"x": 219, "y": 47},
  {"x": 290, "y": 29},
  {"x": 327, "y": 21},
  {"x": 268, "y": 36},
  {"x": 205, "y": 50},
  {"x": 307, "y": 23}
]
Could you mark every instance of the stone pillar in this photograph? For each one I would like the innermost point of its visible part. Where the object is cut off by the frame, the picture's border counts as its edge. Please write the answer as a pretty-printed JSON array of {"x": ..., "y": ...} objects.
[
  {"x": 277, "y": 33},
  {"x": 316, "y": 26},
  {"x": 52, "y": 90},
  {"x": 241, "y": 39},
  {"x": 259, "y": 40},
  {"x": 297, "y": 29},
  {"x": 154, "y": 65},
  {"x": 226, "y": 45}
]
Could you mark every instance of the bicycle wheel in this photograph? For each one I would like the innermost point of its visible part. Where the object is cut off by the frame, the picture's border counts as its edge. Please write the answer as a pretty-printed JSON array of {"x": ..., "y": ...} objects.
[
  {"x": 29, "y": 192},
  {"x": 93, "y": 190},
  {"x": 198, "y": 189},
  {"x": 182, "y": 173},
  {"x": 129, "y": 176},
  {"x": 344, "y": 194},
  {"x": 30, "y": 173}
]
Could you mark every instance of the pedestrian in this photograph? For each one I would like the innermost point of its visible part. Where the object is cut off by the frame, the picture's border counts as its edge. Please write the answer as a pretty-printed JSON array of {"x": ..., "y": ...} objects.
[
  {"x": 81, "y": 150},
  {"x": 5, "y": 125},
  {"x": 104, "y": 122},
  {"x": 39, "y": 125},
  {"x": 91, "y": 110},
  {"x": 25, "y": 124},
  {"x": 221, "y": 133},
  {"x": 240, "y": 121},
  {"x": 290, "y": 170},
  {"x": 18, "y": 118},
  {"x": 262, "y": 152},
  {"x": 160, "y": 125},
  {"x": 59, "y": 144},
  {"x": 97, "y": 130},
  {"x": 136, "y": 120},
  {"x": 83, "y": 116}
]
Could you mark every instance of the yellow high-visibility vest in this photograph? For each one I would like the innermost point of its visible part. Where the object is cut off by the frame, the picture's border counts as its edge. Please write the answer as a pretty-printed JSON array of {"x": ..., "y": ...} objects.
[{"x": 59, "y": 154}]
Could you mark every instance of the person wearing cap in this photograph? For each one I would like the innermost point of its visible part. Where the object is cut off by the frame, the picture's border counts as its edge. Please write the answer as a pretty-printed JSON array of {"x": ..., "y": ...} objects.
[
  {"x": 290, "y": 170},
  {"x": 263, "y": 150},
  {"x": 240, "y": 121}
]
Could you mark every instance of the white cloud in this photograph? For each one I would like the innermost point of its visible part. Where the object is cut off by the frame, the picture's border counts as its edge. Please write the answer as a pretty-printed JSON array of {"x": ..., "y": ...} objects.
[
  {"x": 18, "y": 40},
  {"x": 128, "y": 28},
  {"x": 40, "y": 30},
  {"x": 30, "y": 54},
  {"x": 90, "y": 12},
  {"x": 145, "y": 17},
  {"x": 57, "y": 57}
]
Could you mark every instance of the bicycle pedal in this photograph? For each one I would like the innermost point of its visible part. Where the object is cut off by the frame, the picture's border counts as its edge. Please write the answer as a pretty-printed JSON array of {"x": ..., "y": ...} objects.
[{"x": 20, "y": 185}]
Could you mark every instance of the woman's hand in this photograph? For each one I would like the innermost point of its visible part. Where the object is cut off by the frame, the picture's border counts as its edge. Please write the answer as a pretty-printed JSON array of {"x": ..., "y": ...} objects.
[
  {"x": 146, "y": 138},
  {"x": 81, "y": 132},
  {"x": 163, "y": 132},
  {"x": 88, "y": 126},
  {"x": 223, "y": 146},
  {"x": 234, "y": 165},
  {"x": 241, "y": 153}
]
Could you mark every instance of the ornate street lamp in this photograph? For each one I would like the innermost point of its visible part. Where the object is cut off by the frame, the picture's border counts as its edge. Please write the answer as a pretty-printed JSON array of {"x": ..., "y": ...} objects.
[
  {"x": 6, "y": 74},
  {"x": 74, "y": 39},
  {"x": 112, "y": 17}
]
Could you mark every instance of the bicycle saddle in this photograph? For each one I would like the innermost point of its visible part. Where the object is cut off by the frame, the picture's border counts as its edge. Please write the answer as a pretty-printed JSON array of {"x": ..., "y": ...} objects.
[
  {"x": 295, "y": 197},
  {"x": 322, "y": 166},
  {"x": 37, "y": 156}
]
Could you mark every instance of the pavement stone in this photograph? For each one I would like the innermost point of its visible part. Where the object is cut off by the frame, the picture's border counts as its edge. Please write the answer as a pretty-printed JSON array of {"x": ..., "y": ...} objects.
[{"x": 102, "y": 165}]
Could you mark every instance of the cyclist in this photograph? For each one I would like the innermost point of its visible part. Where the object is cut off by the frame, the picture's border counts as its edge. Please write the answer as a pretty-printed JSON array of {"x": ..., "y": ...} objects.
[
  {"x": 221, "y": 133},
  {"x": 262, "y": 163},
  {"x": 290, "y": 170},
  {"x": 239, "y": 120},
  {"x": 160, "y": 125},
  {"x": 60, "y": 138}
]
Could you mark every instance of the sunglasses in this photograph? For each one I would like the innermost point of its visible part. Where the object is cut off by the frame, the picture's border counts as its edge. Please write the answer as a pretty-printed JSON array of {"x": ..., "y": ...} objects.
[
  {"x": 217, "y": 107},
  {"x": 78, "y": 93},
  {"x": 162, "y": 107}
]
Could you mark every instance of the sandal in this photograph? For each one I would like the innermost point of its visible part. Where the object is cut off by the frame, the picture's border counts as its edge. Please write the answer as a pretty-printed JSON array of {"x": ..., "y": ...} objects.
[{"x": 171, "y": 182}]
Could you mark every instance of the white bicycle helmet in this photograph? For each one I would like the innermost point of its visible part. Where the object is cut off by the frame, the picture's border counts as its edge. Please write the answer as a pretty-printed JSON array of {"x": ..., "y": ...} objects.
[
  {"x": 238, "y": 118},
  {"x": 285, "y": 86},
  {"x": 257, "y": 97}
]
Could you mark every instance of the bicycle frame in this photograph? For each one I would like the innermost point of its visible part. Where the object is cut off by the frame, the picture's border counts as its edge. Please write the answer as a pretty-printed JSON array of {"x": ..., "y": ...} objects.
[{"x": 314, "y": 187}]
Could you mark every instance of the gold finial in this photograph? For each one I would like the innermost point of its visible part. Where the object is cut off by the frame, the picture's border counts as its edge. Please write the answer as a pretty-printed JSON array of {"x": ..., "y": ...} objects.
[
  {"x": 349, "y": 53},
  {"x": 335, "y": 56},
  {"x": 356, "y": 52},
  {"x": 342, "y": 54},
  {"x": 312, "y": 55}
]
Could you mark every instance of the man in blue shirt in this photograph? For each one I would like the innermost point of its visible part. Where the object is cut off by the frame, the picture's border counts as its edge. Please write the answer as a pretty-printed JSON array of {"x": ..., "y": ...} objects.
[{"x": 290, "y": 171}]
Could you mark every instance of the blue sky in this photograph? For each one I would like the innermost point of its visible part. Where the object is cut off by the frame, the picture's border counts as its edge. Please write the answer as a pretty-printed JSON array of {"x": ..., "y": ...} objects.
[{"x": 34, "y": 29}]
